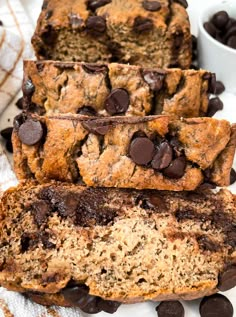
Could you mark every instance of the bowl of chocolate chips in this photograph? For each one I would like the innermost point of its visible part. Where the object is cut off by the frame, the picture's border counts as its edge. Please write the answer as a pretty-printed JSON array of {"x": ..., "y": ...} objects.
[{"x": 217, "y": 41}]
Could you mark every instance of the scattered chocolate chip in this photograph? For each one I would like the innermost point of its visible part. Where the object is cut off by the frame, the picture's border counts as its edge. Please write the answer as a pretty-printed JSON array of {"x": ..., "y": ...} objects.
[
  {"x": 141, "y": 151},
  {"x": 19, "y": 103},
  {"x": 76, "y": 21},
  {"x": 87, "y": 111},
  {"x": 220, "y": 19},
  {"x": 95, "y": 127},
  {"x": 96, "y": 25},
  {"x": 30, "y": 132},
  {"x": 163, "y": 157},
  {"x": 108, "y": 306},
  {"x": 219, "y": 88},
  {"x": 9, "y": 146},
  {"x": 170, "y": 309},
  {"x": 48, "y": 14},
  {"x": 40, "y": 211},
  {"x": 207, "y": 244},
  {"x": 151, "y": 5},
  {"x": 194, "y": 42},
  {"x": 154, "y": 79},
  {"x": 227, "y": 279},
  {"x": 210, "y": 28},
  {"x": 215, "y": 104},
  {"x": 232, "y": 176},
  {"x": 176, "y": 168},
  {"x": 117, "y": 102},
  {"x": 95, "y": 4},
  {"x": 232, "y": 41},
  {"x": 19, "y": 120},
  {"x": 216, "y": 305},
  {"x": 184, "y": 3},
  {"x": 28, "y": 87},
  {"x": 6, "y": 133},
  {"x": 212, "y": 83},
  {"x": 142, "y": 24},
  {"x": 94, "y": 68}
]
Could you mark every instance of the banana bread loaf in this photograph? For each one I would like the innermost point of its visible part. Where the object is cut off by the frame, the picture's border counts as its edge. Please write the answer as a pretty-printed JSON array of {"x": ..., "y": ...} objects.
[
  {"x": 128, "y": 31},
  {"x": 154, "y": 152},
  {"x": 115, "y": 89},
  {"x": 60, "y": 242}
]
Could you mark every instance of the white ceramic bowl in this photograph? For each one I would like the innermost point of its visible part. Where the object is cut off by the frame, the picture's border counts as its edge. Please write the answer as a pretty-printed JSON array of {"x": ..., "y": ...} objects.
[{"x": 213, "y": 55}]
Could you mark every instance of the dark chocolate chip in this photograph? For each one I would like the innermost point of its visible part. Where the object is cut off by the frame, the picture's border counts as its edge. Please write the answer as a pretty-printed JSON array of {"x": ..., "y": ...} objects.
[
  {"x": 210, "y": 28},
  {"x": 48, "y": 14},
  {"x": 67, "y": 205},
  {"x": 194, "y": 42},
  {"x": 76, "y": 21},
  {"x": 232, "y": 176},
  {"x": 25, "y": 242},
  {"x": 152, "y": 201},
  {"x": 49, "y": 35},
  {"x": 30, "y": 132},
  {"x": 232, "y": 41},
  {"x": 6, "y": 133},
  {"x": 95, "y": 128},
  {"x": 176, "y": 168},
  {"x": 227, "y": 279},
  {"x": 154, "y": 79},
  {"x": 117, "y": 102},
  {"x": 95, "y": 4},
  {"x": 108, "y": 306},
  {"x": 220, "y": 19},
  {"x": 207, "y": 244},
  {"x": 76, "y": 295},
  {"x": 87, "y": 111},
  {"x": 142, "y": 24},
  {"x": 28, "y": 87},
  {"x": 216, "y": 305},
  {"x": 170, "y": 309},
  {"x": 141, "y": 151},
  {"x": 94, "y": 68},
  {"x": 96, "y": 25},
  {"x": 19, "y": 103},
  {"x": 215, "y": 104},
  {"x": 19, "y": 120},
  {"x": 219, "y": 88},
  {"x": 184, "y": 3},
  {"x": 9, "y": 146},
  {"x": 163, "y": 157},
  {"x": 212, "y": 83},
  {"x": 41, "y": 210},
  {"x": 151, "y": 5}
]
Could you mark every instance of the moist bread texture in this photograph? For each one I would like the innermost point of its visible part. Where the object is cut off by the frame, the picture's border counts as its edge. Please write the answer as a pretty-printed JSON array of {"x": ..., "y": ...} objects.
[
  {"x": 126, "y": 31},
  {"x": 154, "y": 152},
  {"x": 120, "y": 245},
  {"x": 115, "y": 89}
]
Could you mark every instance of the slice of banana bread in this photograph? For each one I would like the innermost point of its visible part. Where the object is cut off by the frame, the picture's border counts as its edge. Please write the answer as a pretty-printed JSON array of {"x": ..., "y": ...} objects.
[
  {"x": 154, "y": 152},
  {"x": 60, "y": 242},
  {"x": 128, "y": 31},
  {"x": 115, "y": 89}
]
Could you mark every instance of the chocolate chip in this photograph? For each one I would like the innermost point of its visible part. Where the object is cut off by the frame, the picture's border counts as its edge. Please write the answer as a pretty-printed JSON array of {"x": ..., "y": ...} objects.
[
  {"x": 108, "y": 306},
  {"x": 6, "y": 133},
  {"x": 95, "y": 4},
  {"x": 176, "y": 168},
  {"x": 232, "y": 41},
  {"x": 76, "y": 21},
  {"x": 94, "y": 68},
  {"x": 28, "y": 87},
  {"x": 19, "y": 103},
  {"x": 96, "y": 25},
  {"x": 212, "y": 83},
  {"x": 87, "y": 111},
  {"x": 152, "y": 201},
  {"x": 49, "y": 35},
  {"x": 142, "y": 24},
  {"x": 40, "y": 211},
  {"x": 151, "y": 5},
  {"x": 25, "y": 242},
  {"x": 30, "y": 132},
  {"x": 9, "y": 146},
  {"x": 207, "y": 244},
  {"x": 220, "y": 19},
  {"x": 76, "y": 295},
  {"x": 96, "y": 127},
  {"x": 48, "y": 14},
  {"x": 67, "y": 205},
  {"x": 163, "y": 157},
  {"x": 232, "y": 176},
  {"x": 210, "y": 28},
  {"x": 216, "y": 305},
  {"x": 215, "y": 104},
  {"x": 178, "y": 40},
  {"x": 194, "y": 42},
  {"x": 170, "y": 309},
  {"x": 19, "y": 120},
  {"x": 184, "y": 3},
  {"x": 154, "y": 79},
  {"x": 117, "y": 102},
  {"x": 141, "y": 151},
  {"x": 219, "y": 88},
  {"x": 227, "y": 279}
]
